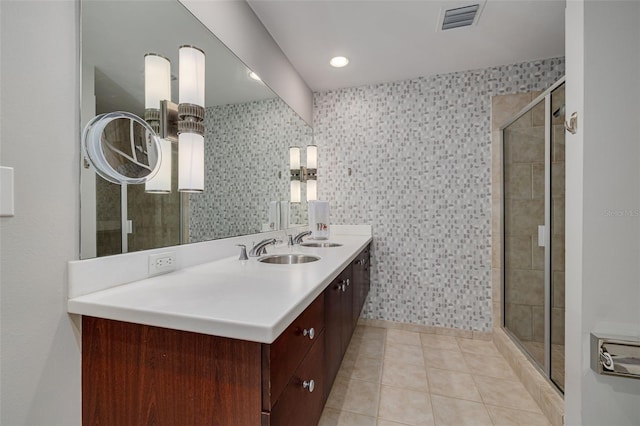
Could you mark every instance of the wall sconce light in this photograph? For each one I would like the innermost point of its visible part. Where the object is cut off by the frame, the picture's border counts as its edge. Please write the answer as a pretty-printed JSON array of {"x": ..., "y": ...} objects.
[
  {"x": 294, "y": 166},
  {"x": 191, "y": 115},
  {"x": 157, "y": 88},
  {"x": 301, "y": 174},
  {"x": 181, "y": 123},
  {"x": 312, "y": 170}
]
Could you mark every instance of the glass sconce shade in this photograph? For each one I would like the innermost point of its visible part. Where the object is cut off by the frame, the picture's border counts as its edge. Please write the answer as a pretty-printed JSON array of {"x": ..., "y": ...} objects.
[
  {"x": 190, "y": 162},
  {"x": 312, "y": 157},
  {"x": 191, "y": 113},
  {"x": 191, "y": 80},
  {"x": 157, "y": 80},
  {"x": 294, "y": 158},
  {"x": 295, "y": 191},
  {"x": 312, "y": 190},
  {"x": 161, "y": 182}
]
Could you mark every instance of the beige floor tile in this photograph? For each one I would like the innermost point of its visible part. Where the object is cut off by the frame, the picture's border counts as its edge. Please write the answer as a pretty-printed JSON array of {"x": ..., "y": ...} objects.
[
  {"x": 505, "y": 393},
  {"x": 435, "y": 341},
  {"x": 369, "y": 333},
  {"x": 447, "y": 360},
  {"x": 453, "y": 384},
  {"x": 486, "y": 348},
  {"x": 405, "y": 406},
  {"x": 333, "y": 417},
  {"x": 406, "y": 354},
  {"x": 403, "y": 337},
  {"x": 456, "y": 412},
  {"x": 383, "y": 422},
  {"x": 355, "y": 396},
  {"x": 363, "y": 368},
  {"x": 491, "y": 366},
  {"x": 366, "y": 348},
  {"x": 401, "y": 375},
  {"x": 508, "y": 417}
]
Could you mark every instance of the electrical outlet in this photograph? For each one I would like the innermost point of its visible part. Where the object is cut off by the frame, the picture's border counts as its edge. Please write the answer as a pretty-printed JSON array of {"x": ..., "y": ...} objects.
[{"x": 162, "y": 263}]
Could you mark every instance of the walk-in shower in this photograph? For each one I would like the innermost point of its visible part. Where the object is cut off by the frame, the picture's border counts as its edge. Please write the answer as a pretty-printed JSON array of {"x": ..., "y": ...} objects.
[{"x": 533, "y": 200}]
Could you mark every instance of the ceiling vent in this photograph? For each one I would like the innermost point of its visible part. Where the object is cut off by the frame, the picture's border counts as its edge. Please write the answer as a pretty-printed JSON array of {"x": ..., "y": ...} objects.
[{"x": 460, "y": 17}]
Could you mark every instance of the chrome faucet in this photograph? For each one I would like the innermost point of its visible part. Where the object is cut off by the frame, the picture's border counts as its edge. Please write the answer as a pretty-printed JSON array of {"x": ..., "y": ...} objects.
[
  {"x": 298, "y": 238},
  {"x": 261, "y": 248}
]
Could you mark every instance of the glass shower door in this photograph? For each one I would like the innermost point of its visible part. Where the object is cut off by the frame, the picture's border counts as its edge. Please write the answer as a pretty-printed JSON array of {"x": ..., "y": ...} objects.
[
  {"x": 524, "y": 220},
  {"x": 558, "y": 237},
  {"x": 533, "y": 240}
]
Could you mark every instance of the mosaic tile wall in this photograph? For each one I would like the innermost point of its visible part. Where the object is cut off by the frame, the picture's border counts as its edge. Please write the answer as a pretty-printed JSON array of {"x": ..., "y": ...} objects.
[
  {"x": 246, "y": 167},
  {"x": 420, "y": 158}
]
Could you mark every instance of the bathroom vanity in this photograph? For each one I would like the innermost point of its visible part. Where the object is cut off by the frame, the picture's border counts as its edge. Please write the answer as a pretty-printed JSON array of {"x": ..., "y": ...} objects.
[{"x": 228, "y": 342}]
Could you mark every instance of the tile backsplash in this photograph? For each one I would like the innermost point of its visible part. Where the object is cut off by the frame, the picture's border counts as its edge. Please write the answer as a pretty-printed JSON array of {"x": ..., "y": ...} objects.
[{"x": 413, "y": 159}]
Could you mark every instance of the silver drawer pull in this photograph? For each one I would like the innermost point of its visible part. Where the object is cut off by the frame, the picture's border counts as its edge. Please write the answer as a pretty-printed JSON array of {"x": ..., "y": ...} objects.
[
  {"x": 310, "y": 332},
  {"x": 310, "y": 385},
  {"x": 343, "y": 287}
]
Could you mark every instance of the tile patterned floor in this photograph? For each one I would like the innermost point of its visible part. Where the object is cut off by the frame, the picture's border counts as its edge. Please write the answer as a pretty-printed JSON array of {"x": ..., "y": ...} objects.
[{"x": 396, "y": 377}]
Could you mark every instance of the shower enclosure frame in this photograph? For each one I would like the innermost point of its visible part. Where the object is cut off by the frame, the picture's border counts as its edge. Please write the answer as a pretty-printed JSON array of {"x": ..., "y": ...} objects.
[{"x": 546, "y": 96}]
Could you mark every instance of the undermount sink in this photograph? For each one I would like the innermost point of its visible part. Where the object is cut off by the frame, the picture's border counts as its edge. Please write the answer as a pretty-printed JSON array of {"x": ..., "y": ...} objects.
[
  {"x": 288, "y": 259},
  {"x": 321, "y": 245}
]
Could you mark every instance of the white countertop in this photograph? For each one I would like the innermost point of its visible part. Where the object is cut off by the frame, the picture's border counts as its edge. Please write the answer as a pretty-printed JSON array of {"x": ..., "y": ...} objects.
[{"x": 245, "y": 300}]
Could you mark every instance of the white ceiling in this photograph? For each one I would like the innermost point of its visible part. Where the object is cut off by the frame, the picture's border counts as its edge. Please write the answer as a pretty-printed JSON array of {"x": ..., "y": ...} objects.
[{"x": 395, "y": 39}]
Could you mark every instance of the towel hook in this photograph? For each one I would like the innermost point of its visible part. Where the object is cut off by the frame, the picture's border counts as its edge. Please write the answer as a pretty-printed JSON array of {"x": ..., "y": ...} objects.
[{"x": 572, "y": 124}]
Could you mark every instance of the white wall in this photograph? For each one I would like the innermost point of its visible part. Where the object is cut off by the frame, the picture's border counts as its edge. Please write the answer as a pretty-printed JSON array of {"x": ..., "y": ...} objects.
[
  {"x": 603, "y": 201},
  {"x": 235, "y": 24},
  {"x": 40, "y": 364}
]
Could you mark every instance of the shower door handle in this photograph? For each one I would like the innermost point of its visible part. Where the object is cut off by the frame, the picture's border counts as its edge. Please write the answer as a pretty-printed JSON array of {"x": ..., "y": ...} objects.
[{"x": 541, "y": 236}]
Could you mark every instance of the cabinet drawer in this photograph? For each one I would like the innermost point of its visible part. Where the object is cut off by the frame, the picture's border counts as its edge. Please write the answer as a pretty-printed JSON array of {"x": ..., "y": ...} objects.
[
  {"x": 301, "y": 403},
  {"x": 280, "y": 359}
]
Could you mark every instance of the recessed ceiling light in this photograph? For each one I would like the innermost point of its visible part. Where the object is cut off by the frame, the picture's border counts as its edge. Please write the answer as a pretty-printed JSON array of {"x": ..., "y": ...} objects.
[
  {"x": 339, "y": 62},
  {"x": 254, "y": 76}
]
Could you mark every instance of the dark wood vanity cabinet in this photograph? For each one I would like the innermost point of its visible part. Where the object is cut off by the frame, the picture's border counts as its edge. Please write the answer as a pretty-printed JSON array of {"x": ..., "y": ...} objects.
[
  {"x": 344, "y": 299},
  {"x": 135, "y": 374}
]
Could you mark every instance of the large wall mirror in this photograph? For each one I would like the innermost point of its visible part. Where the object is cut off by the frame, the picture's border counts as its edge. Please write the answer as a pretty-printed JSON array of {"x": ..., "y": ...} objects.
[{"x": 248, "y": 132}]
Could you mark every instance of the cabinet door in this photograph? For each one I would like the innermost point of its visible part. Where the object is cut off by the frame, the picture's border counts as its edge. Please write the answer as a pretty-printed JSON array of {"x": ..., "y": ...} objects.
[
  {"x": 135, "y": 374},
  {"x": 361, "y": 282},
  {"x": 348, "y": 325},
  {"x": 333, "y": 331}
]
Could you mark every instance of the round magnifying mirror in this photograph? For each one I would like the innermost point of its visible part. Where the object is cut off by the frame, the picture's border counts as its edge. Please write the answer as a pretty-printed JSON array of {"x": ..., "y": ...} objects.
[{"x": 122, "y": 147}]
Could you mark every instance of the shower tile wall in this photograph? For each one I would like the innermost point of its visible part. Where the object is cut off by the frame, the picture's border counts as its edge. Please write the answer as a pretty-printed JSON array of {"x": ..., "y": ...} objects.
[
  {"x": 420, "y": 156},
  {"x": 246, "y": 167}
]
